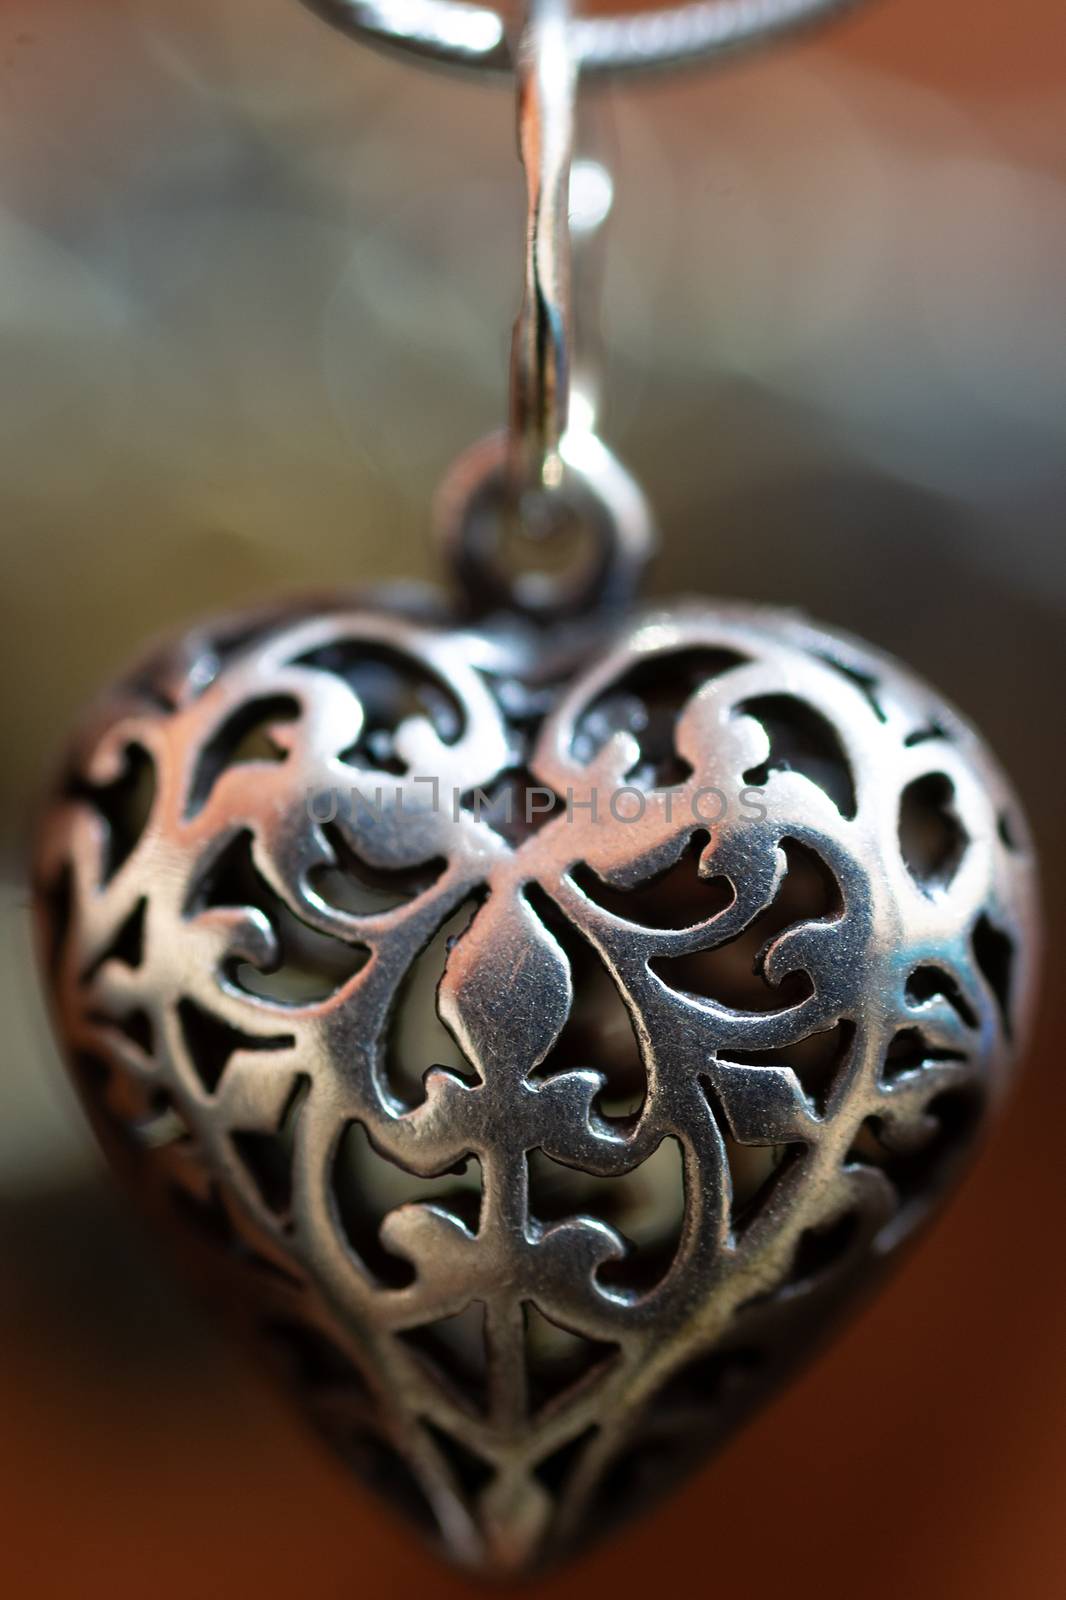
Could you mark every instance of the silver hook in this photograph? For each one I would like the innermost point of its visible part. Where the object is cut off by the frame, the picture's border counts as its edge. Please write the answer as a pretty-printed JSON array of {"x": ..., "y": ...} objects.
[
  {"x": 543, "y": 476},
  {"x": 546, "y": 79}
]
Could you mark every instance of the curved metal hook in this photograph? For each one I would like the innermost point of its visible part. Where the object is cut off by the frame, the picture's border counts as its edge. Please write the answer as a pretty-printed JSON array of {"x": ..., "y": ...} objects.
[{"x": 540, "y": 347}]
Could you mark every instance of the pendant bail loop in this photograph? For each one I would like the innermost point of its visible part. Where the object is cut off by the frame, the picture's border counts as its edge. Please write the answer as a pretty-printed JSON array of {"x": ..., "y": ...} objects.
[{"x": 597, "y": 501}]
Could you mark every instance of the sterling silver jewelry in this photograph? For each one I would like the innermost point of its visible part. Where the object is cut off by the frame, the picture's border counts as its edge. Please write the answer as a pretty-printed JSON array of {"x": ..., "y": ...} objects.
[{"x": 538, "y": 1013}]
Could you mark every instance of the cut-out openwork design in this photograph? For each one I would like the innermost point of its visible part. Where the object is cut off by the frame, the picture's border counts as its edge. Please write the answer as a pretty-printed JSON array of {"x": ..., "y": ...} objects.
[{"x": 541, "y": 1038}]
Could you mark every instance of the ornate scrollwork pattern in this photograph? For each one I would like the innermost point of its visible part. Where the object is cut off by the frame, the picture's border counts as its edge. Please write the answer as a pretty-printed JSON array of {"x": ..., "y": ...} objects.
[{"x": 545, "y": 1047}]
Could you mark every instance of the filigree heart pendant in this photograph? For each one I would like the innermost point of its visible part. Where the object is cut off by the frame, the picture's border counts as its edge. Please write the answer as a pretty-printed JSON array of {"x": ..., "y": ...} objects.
[{"x": 543, "y": 1013}]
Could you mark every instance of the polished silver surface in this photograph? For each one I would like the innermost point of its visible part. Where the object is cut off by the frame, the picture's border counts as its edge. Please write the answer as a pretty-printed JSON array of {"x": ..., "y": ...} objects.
[
  {"x": 546, "y": 84},
  {"x": 541, "y": 1107},
  {"x": 450, "y": 32}
]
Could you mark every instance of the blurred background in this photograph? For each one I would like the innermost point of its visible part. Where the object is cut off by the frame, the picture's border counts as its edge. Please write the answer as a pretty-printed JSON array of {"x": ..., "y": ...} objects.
[{"x": 256, "y": 287}]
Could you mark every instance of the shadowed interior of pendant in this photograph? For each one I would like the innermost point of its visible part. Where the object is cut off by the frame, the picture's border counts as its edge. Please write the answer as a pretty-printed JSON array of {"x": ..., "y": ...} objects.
[
  {"x": 367, "y": 1185},
  {"x": 248, "y": 735},
  {"x": 126, "y": 945},
  {"x": 994, "y": 953},
  {"x": 932, "y": 840},
  {"x": 646, "y": 702},
  {"x": 598, "y": 1033},
  {"x": 733, "y": 973},
  {"x": 515, "y": 805},
  {"x": 124, "y": 805},
  {"x": 816, "y": 1059},
  {"x": 754, "y": 1169},
  {"x": 268, "y": 1153},
  {"x": 677, "y": 897},
  {"x": 308, "y": 966},
  {"x": 919, "y": 1168},
  {"x": 646, "y": 1206},
  {"x": 391, "y": 686},
  {"x": 804, "y": 741},
  {"x": 416, "y": 1040},
  {"x": 354, "y": 885},
  {"x": 210, "y": 1041}
]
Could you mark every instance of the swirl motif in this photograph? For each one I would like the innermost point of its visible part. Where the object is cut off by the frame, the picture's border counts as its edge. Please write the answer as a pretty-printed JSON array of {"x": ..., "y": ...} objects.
[{"x": 732, "y": 933}]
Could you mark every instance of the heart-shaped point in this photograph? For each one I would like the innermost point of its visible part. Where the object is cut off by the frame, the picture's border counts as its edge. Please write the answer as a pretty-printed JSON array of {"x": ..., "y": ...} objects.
[{"x": 542, "y": 1052}]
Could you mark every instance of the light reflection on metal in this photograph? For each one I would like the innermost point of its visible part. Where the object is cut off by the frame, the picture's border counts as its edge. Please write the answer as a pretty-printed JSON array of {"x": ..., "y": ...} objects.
[
  {"x": 546, "y": 92},
  {"x": 449, "y": 32}
]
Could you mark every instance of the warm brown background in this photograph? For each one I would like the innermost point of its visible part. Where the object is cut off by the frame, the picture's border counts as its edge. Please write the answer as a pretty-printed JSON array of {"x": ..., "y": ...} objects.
[{"x": 254, "y": 292}]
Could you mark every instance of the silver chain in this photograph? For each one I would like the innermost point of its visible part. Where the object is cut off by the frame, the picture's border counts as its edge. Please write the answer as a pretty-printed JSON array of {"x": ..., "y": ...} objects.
[{"x": 455, "y": 34}]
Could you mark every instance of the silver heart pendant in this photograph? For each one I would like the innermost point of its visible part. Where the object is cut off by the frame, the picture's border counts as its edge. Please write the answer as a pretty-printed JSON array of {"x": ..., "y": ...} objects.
[
  {"x": 544, "y": 1033},
  {"x": 538, "y": 1028}
]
